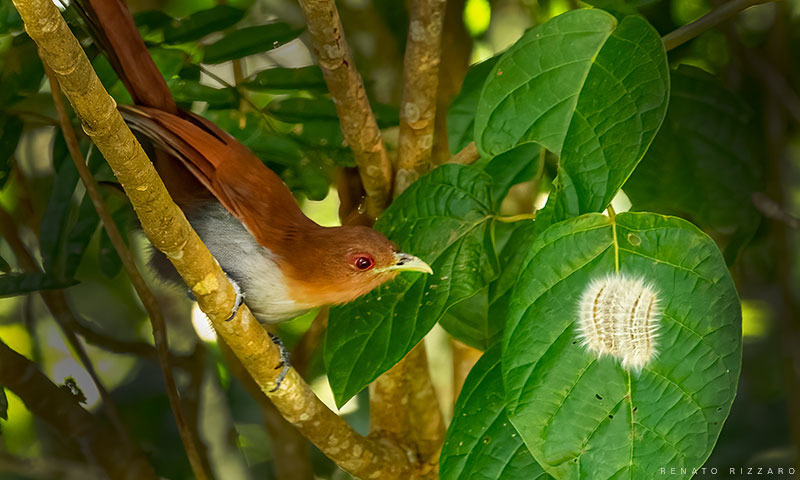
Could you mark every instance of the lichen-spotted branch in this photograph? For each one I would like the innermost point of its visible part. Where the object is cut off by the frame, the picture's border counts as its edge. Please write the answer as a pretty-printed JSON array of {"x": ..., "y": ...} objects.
[{"x": 167, "y": 228}]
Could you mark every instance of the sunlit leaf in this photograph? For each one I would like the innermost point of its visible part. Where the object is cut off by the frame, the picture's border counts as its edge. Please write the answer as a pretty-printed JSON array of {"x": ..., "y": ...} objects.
[
  {"x": 583, "y": 415},
  {"x": 586, "y": 87}
]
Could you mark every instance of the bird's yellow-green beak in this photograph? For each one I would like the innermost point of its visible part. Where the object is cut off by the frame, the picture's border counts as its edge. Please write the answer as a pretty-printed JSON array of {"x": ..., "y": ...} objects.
[{"x": 407, "y": 263}]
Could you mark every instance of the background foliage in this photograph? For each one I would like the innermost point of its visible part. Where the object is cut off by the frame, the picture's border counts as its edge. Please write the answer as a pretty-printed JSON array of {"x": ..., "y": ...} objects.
[{"x": 707, "y": 133}]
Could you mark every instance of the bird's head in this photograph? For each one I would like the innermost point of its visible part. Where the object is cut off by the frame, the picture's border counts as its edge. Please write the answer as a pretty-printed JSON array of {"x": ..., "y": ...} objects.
[{"x": 337, "y": 265}]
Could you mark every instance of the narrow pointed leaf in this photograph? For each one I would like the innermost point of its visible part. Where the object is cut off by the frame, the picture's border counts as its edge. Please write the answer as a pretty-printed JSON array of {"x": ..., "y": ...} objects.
[
  {"x": 200, "y": 24},
  {"x": 248, "y": 41},
  {"x": 584, "y": 416},
  {"x": 17, "y": 283},
  {"x": 304, "y": 78}
]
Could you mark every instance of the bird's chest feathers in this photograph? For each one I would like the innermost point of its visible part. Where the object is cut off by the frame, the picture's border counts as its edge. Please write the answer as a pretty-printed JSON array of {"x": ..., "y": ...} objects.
[{"x": 253, "y": 266}]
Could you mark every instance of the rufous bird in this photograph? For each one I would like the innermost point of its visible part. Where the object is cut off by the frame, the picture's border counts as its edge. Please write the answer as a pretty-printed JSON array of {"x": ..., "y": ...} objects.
[{"x": 284, "y": 263}]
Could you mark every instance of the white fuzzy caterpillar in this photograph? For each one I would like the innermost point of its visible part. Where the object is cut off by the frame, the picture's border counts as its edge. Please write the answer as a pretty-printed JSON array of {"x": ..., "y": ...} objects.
[{"x": 619, "y": 316}]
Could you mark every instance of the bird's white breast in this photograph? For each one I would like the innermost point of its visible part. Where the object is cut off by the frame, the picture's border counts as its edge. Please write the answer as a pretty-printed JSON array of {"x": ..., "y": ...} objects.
[{"x": 250, "y": 264}]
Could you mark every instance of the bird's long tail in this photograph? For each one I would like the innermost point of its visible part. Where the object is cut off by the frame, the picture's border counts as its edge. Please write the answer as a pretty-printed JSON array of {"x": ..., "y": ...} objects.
[{"x": 114, "y": 30}]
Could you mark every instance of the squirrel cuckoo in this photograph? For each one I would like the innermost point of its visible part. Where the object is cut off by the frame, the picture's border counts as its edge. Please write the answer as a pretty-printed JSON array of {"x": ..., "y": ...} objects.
[{"x": 284, "y": 263}]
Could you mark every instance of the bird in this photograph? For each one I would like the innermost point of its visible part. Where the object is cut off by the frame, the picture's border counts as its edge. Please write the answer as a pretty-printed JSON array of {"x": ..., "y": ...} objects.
[{"x": 283, "y": 262}]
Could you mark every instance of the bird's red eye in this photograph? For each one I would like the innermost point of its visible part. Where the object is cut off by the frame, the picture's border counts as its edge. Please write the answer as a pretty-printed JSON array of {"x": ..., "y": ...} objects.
[{"x": 363, "y": 262}]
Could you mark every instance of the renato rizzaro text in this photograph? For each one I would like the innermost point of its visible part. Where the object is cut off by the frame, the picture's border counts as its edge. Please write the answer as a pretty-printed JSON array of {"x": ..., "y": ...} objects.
[{"x": 731, "y": 471}]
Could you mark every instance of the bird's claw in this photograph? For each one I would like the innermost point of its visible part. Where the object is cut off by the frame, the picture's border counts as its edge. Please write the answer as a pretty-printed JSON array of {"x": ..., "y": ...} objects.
[
  {"x": 239, "y": 300},
  {"x": 284, "y": 364}
]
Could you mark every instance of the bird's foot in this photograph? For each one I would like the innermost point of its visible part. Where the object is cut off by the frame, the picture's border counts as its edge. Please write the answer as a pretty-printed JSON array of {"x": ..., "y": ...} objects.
[
  {"x": 284, "y": 364},
  {"x": 239, "y": 299}
]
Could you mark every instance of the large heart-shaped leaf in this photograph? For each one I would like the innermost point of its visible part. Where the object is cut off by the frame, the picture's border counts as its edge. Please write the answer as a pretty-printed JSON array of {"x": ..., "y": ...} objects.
[
  {"x": 704, "y": 161},
  {"x": 587, "y": 417},
  {"x": 461, "y": 114},
  {"x": 445, "y": 218},
  {"x": 587, "y": 87},
  {"x": 481, "y": 443}
]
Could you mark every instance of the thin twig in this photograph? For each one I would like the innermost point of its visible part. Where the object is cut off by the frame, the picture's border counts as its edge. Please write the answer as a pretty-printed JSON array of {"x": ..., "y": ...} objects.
[
  {"x": 165, "y": 225},
  {"x": 56, "y": 302},
  {"x": 772, "y": 209},
  {"x": 420, "y": 84},
  {"x": 148, "y": 299},
  {"x": 352, "y": 105},
  {"x": 59, "y": 408},
  {"x": 707, "y": 22}
]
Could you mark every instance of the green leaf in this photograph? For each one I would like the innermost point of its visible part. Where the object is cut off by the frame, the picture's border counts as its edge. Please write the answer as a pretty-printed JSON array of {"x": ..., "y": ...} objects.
[
  {"x": 4, "y": 266},
  {"x": 78, "y": 239},
  {"x": 461, "y": 114},
  {"x": 479, "y": 320},
  {"x": 304, "y": 78},
  {"x": 582, "y": 416},
  {"x": 52, "y": 229},
  {"x": 152, "y": 20},
  {"x": 22, "y": 71},
  {"x": 187, "y": 91},
  {"x": 583, "y": 86},
  {"x": 299, "y": 110},
  {"x": 3, "y": 404},
  {"x": 9, "y": 20},
  {"x": 445, "y": 218},
  {"x": 513, "y": 167},
  {"x": 17, "y": 283},
  {"x": 169, "y": 61},
  {"x": 249, "y": 41},
  {"x": 10, "y": 132},
  {"x": 200, "y": 24},
  {"x": 481, "y": 443},
  {"x": 110, "y": 263},
  {"x": 703, "y": 163}
]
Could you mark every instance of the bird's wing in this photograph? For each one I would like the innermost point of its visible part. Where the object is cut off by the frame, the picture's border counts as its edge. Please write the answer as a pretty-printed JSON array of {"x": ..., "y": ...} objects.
[{"x": 226, "y": 168}]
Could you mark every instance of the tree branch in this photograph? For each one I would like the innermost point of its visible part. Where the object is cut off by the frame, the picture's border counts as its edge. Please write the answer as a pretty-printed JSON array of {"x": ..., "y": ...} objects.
[
  {"x": 167, "y": 228},
  {"x": 707, "y": 22},
  {"x": 420, "y": 83},
  {"x": 57, "y": 304},
  {"x": 148, "y": 300},
  {"x": 59, "y": 408},
  {"x": 352, "y": 105},
  {"x": 467, "y": 156}
]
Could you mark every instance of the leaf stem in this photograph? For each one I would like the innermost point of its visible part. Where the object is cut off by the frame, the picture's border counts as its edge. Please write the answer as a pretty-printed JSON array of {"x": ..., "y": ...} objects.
[{"x": 706, "y": 22}]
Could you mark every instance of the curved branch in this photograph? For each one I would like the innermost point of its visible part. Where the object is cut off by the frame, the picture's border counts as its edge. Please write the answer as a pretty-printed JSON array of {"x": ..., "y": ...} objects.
[
  {"x": 420, "y": 83},
  {"x": 352, "y": 105},
  {"x": 167, "y": 228},
  {"x": 58, "y": 408},
  {"x": 708, "y": 21},
  {"x": 148, "y": 299}
]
